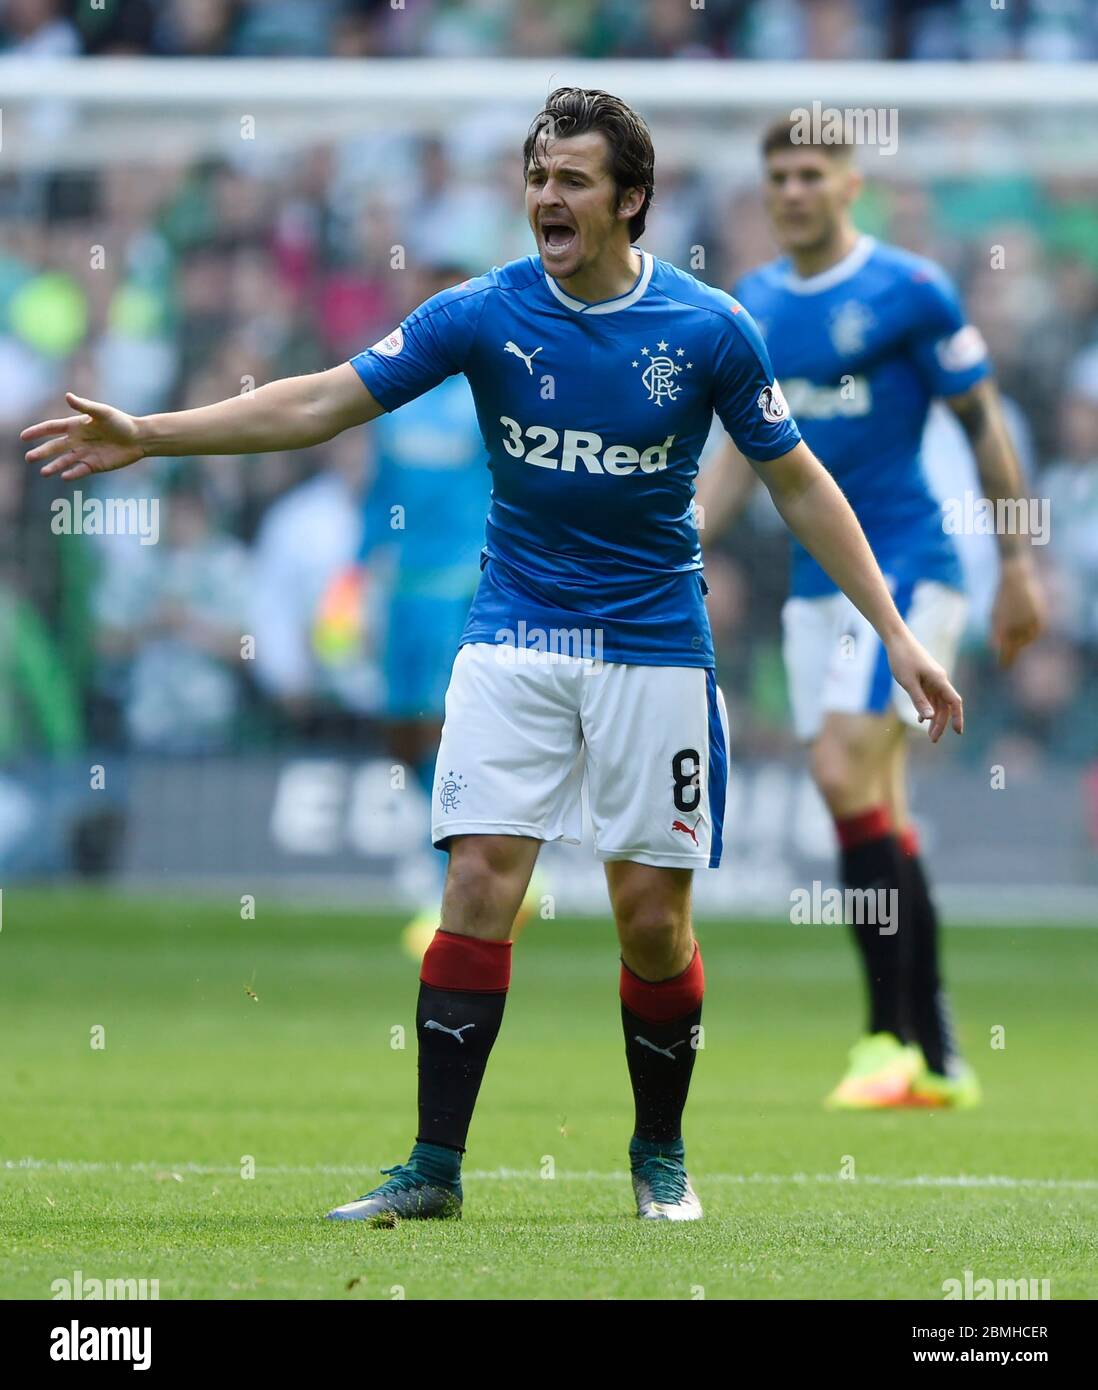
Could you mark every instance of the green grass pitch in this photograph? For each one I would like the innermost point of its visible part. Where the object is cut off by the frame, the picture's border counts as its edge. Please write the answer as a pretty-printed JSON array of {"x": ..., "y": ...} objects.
[{"x": 125, "y": 1161}]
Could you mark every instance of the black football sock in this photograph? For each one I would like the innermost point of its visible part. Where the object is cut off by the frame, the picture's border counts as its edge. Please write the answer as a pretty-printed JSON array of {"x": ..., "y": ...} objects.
[
  {"x": 927, "y": 1005},
  {"x": 660, "y": 1020},
  {"x": 438, "y": 1164},
  {"x": 870, "y": 860},
  {"x": 463, "y": 988}
]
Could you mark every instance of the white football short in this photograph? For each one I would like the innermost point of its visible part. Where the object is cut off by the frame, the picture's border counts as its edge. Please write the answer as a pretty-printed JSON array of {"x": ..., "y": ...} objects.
[
  {"x": 525, "y": 727},
  {"x": 836, "y": 664}
]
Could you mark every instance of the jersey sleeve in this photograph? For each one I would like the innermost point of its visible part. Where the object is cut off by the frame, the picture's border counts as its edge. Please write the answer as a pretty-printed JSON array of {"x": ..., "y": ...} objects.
[
  {"x": 746, "y": 395},
  {"x": 430, "y": 345},
  {"x": 949, "y": 352}
]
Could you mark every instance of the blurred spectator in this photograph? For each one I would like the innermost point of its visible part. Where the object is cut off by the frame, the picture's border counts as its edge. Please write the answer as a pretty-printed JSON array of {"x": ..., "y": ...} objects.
[
  {"x": 310, "y": 648},
  {"x": 197, "y": 28},
  {"x": 822, "y": 30},
  {"x": 39, "y": 703},
  {"x": 39, "y": 700},
  {"x": 38, "y": 29},
  {"x": 1071, "y": 486},
  {"x": 1046, "y": 708},
  {"x": 170, "y": 619}
]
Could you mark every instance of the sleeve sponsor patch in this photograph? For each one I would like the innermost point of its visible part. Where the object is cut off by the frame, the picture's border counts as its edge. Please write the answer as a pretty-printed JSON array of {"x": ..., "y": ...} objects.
[
  {"x": 773, "y": 404},
  {"x": 391, "y": 344},
  {"x": 964, "y": 349}
]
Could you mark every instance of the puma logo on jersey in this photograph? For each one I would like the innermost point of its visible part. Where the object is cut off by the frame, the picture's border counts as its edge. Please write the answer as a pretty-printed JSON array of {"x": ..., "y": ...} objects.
[
  {"x": 580, "y": 446},
  {"x": 663, "y": 1051},
  {"x": 454, "y": 1032},
  {"x": 528, "y": 358}
]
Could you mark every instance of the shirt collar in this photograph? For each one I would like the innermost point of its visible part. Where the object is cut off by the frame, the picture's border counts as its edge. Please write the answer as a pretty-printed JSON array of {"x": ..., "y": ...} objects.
[
  {"x": 835, "y": 274},
  {"x": 606, "y": 306}
]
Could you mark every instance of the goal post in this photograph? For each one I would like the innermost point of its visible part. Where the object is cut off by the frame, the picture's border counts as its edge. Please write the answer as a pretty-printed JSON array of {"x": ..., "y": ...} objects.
[{"x": 69, "y": 112}]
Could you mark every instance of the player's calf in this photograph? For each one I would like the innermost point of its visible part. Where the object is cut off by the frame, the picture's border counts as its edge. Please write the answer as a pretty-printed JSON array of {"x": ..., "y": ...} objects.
[
  {"x": 662, "y": 1025},
  {"x": 463, "y": 989}
]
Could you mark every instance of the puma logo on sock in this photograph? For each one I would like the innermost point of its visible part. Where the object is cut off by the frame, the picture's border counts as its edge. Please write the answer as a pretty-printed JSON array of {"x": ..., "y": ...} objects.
[
  {"x": 454, "y": 1032},
  {"x": 663, "y": 1051}
]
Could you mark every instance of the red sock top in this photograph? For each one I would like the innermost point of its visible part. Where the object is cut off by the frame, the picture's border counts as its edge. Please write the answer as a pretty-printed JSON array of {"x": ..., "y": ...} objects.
[
  {"x": 860, "y": 829},
  {"x": 464, "y": 962},
  {"x": 662, "y": 1001}
]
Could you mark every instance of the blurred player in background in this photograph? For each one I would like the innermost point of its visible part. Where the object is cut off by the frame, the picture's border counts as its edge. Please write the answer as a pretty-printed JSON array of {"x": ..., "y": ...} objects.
[
  {"x": 423, "y": 530},
  {"x": 863, "y": 337}
]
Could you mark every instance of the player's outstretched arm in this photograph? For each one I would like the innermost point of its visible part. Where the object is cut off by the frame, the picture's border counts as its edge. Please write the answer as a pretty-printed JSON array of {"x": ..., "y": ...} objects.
[
  {"x": 1019, "y": 613},
  {"x": 293, "y": 413},
  {"x": 724, "y": 486},
  {"x": 815, "y": 510}
]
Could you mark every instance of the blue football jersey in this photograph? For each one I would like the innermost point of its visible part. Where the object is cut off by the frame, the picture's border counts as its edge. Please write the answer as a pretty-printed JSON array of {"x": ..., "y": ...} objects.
[
  {"x": 593, "y": 417},
  {"x": 861, "y": 350},
  {"x": 426, "y": 502}
]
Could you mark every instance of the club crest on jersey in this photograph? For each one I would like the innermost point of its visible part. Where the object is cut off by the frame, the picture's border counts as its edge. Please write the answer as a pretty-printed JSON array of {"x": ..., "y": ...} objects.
[
  {"x": 391, "y": 344},
  {"x": 850, "y": 323},
  {"x": 660, "y": 372},
  {"x": 773, "y": 403},
  {"x": 449, "y": 790}
]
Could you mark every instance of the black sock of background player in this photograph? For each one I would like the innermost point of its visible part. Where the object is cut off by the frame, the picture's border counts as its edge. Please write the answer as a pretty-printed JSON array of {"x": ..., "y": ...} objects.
[
  {"x": 659, "y": 1019},
  {"x": 927, "y": 1007},
  {"x": 463, "y": 988},
  {"x": 870, "y": 860}
]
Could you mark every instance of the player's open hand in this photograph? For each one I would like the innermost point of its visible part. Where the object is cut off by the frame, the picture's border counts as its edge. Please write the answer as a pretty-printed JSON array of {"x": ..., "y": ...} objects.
[
  {"x": 1018, "y": 617},
  {"x": 98, "y": 440},
  {"x": 926, "y": 682}
]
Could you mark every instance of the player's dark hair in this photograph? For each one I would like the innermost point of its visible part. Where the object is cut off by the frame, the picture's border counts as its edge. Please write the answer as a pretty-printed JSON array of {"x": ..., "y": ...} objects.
[
  {"x": 794, "y": 132},
  {"x": 578, "y": 110}
]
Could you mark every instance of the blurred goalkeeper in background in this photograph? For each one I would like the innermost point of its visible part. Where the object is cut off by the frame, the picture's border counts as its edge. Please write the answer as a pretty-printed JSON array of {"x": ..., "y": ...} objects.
[{"x": 423, "y": 529}]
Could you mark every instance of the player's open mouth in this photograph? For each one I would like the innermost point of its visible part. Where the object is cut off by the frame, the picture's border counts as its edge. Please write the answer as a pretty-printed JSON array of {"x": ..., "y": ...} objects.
[{"x": 558, "y": 237}]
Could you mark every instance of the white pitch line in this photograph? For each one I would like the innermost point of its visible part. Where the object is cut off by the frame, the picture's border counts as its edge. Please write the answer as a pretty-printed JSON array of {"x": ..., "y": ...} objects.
[{"x": 962, "y": 1180}]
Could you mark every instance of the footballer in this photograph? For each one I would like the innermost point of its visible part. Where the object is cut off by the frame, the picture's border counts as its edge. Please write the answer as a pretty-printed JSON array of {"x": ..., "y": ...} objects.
[
  {"x": 864, "y": 336},
  {"x": 595, "y": 370}
]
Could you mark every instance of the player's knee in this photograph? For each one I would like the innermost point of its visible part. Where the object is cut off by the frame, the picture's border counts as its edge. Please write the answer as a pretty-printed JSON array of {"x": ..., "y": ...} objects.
[
  {"x": 484, "y": 883},
  {"x": 833, "y": 771},
  {"x": 652, "y": 936}
]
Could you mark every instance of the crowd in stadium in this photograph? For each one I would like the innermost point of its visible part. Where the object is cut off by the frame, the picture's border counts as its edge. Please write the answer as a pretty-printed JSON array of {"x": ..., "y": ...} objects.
[
  {"x": 217, "y": 274},
  {"x": 1033, "y": 30},
  {"x": 217, "y": 277}
]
